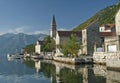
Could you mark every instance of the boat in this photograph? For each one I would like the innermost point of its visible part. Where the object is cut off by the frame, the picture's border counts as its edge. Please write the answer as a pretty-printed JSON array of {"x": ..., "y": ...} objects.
[{"x": 14, "y": 56}]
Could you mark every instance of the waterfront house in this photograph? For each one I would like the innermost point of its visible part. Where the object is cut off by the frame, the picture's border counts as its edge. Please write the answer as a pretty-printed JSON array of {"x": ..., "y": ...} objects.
[
  {"x": 111, "y": 45},
  {"x": 105, "y": 31},
  {"x": 107, "y": 28}
]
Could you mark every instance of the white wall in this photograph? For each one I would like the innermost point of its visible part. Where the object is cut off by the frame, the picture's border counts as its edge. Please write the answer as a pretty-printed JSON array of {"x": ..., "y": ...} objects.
[
  {"x": 57, "y": 39},
  {"x": 112, "y": 48},
  {"x": 37, "y": 49},
  {"x": 117, "y": 22},
  {"x": 102, "y": 29}
]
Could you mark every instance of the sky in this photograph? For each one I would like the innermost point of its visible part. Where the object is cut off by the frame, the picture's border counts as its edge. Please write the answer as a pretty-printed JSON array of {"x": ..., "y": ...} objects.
[{"x": 34, "y": 16}]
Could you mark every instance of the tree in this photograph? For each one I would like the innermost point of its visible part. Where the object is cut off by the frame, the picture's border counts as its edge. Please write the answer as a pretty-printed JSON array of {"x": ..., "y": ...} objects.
[
  {"x": 49, "y": 44},
  {"x": 71, "y": 46},
  {"x": 64, "y": 48},
  {"x": 30, "y": 48}
]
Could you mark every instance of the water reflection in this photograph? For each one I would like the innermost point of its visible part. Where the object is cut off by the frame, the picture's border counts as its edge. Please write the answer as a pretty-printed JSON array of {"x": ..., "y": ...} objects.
[
  {"x": 65, "y": 73},
  {"x": 113, "y": 76},
  {"x": 38, "y": 66},
  {"x": 55, "y": 72},
  {"x": 20, "y": 71}
]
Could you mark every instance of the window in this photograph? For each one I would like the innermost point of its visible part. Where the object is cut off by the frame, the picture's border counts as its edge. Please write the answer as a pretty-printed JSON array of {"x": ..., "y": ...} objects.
[{"x": 112, "y": 48}]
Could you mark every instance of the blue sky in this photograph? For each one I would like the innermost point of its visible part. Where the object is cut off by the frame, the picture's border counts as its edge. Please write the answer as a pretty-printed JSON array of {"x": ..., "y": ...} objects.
[{"x": 34, "y": 16}]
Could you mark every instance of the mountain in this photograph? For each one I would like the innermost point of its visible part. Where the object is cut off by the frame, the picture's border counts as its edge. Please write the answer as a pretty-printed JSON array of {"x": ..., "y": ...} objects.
[
  {"x": 9, "y": 43},
  {"x": 104, "y": 16}
]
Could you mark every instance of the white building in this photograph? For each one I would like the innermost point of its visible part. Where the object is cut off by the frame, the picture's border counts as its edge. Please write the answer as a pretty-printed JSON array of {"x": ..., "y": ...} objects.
[
  {"x": 107, "y": 28},
  {"x": 38, "y": 47},
  {"x": 117, "y": 22}
]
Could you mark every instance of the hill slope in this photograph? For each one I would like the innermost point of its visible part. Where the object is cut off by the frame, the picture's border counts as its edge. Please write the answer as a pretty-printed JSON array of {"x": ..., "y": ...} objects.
[{"x": 104, "y": 16}]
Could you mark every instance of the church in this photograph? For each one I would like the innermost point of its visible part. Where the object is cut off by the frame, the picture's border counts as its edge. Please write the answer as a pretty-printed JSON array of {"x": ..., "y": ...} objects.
[{"x": 88, "y": 36}]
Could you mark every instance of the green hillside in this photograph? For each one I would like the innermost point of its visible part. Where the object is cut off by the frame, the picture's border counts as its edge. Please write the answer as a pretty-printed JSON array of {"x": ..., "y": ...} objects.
[{"x": 104, "y": 16}]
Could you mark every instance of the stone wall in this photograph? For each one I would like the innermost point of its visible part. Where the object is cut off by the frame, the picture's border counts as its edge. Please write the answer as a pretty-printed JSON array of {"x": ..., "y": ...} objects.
[
  {"x": 80, "y": 60},
  {"x": 99, "y": 57},
  {"x": 112, "y": 60},
  {"x": 113, "y": 77},
  {"x": 65, "y": 60}
]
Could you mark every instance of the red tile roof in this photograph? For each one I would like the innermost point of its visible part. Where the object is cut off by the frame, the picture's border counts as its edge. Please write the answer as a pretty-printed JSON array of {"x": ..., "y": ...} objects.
[
  {"x": 68, "y": 33},
  {"x": 103, "y": 34}
]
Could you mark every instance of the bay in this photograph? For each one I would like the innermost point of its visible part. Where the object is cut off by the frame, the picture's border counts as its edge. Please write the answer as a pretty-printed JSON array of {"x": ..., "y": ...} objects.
[{"x": 46, "y": 71}]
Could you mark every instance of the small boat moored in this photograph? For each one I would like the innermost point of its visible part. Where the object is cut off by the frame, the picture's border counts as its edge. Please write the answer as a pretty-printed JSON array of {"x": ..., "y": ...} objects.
[{"x": 13, "y": 56}]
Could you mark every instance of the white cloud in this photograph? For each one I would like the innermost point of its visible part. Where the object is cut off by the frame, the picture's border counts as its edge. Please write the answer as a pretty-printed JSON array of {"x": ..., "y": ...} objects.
[
  {"x": 24, "y": 29},
  {"x": 16, "y": 30},
  {"x": 41, "y": 31},
  {"x": 19, "y": 30}
]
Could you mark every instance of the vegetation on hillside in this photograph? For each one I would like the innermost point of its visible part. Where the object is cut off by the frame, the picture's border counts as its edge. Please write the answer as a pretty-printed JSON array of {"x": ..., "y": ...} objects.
[{"x": 105, "y": 16}]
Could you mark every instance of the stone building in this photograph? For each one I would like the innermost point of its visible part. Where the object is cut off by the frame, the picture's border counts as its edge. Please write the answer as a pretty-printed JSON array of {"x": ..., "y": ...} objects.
[{"x": 90, "y": 36}]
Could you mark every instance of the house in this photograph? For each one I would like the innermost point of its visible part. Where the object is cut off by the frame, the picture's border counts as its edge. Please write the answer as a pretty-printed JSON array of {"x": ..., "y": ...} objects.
[
  {"x": 107, "y": 28},
  {"x": 38, "y": 47},
  {"x": 88, "y": 36},
  {"x": 110, "y": 55},
  {"x": 106, "y": 31},
  {"x": 112, "y": 42},
  {"x": 111, "y": 38}
]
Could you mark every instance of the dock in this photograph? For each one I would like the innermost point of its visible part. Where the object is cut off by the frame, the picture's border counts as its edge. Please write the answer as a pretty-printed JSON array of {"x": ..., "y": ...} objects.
[{"x": 78, "y": 60}]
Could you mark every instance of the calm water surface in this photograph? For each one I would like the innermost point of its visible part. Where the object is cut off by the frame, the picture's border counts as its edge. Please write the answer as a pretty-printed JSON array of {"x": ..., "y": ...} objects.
[{"x": 39, "y": 71}]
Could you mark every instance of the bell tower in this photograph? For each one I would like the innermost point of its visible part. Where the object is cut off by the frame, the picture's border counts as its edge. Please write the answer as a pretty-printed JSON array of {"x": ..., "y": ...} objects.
[{"x": 53, "y": 28}]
